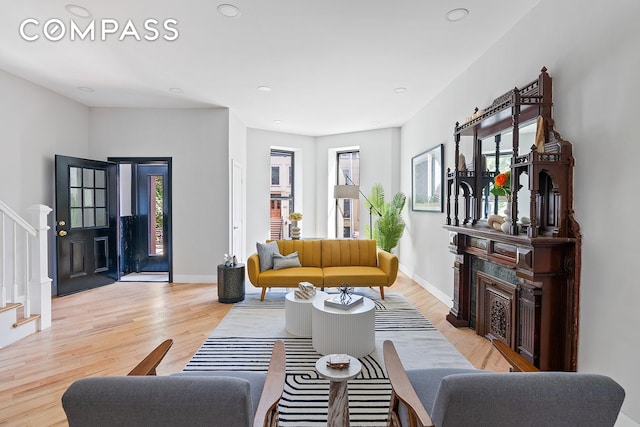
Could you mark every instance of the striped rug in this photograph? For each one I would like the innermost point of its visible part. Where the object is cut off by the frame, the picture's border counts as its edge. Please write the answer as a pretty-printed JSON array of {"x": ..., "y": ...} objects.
[{"x": 244, "y": 339}]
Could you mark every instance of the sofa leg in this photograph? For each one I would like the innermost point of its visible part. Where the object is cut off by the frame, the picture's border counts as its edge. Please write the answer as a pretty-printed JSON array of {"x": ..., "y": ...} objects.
[
  {"x": 382, "y": 292},
  {"x": 264, "y": 291}
]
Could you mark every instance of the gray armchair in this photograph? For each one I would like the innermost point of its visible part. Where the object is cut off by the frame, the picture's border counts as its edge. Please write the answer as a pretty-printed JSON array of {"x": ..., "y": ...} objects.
[
  {"x": 229, "y": 399},
  {"x": 463, "y": 397}
]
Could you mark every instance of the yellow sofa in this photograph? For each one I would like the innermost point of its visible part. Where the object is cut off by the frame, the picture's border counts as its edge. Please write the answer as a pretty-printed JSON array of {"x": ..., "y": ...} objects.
[{"x": 328, "y": 263}]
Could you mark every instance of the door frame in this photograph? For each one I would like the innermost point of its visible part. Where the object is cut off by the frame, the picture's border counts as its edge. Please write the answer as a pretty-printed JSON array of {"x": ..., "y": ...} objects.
[{"x": 169, "y": 189}]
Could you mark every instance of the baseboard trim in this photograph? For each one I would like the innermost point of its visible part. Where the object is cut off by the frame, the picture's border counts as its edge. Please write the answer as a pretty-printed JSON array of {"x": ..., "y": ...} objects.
[
  {"x": 188, "y": 278},
  {"x": 436, "y": 292}
]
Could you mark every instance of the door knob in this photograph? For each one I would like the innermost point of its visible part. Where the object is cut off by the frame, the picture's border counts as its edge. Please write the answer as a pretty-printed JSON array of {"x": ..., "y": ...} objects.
[
  {"x": 61, "y": 223},
  {"x": 62, "y": 233}
]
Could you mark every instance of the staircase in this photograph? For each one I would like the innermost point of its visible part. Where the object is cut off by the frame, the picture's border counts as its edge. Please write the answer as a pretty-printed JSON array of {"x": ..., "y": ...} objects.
[
  {"x": 276, "y": 228},
  {"x": 25, "y": 288}
]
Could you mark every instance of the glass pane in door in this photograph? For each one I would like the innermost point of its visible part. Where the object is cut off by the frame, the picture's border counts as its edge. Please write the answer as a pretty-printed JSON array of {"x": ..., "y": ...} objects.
[{"x": 156, "y": 215}]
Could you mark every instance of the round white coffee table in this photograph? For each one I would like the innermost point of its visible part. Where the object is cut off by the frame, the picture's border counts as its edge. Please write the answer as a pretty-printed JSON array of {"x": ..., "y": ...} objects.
[
  {"x": 351, "y": 331},
  {"x": 297, "y": 314},
  {"x": 338, "y": 415}
]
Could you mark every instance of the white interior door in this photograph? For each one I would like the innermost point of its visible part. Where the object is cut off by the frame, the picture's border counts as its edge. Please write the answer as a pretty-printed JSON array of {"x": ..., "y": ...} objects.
[{"x": 237, "y": 208}]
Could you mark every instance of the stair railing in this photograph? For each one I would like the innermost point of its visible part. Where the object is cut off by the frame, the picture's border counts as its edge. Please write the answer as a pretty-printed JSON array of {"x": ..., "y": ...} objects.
[{"x": 29, "y": 261}]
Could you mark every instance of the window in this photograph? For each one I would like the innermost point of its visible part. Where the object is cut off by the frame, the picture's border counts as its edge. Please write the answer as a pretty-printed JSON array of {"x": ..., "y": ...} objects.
[
  {"x": 347, "y": 210},
  {"x": 281, "y": 202},
  {"x": 88, "y": 197}
]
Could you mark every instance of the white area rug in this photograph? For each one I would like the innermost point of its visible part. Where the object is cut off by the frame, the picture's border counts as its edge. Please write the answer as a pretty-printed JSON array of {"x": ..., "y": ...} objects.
[{"x": 244, "y": 339}]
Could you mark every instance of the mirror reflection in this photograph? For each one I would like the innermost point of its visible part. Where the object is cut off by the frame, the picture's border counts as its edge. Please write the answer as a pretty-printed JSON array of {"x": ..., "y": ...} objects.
[{"x": 497, "y": 152}]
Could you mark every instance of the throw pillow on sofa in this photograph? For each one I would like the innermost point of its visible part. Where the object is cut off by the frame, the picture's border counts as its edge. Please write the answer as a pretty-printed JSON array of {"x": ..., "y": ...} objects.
[
  {"x": 266, "y": 251},
  {"x": 286, "y": 261}
]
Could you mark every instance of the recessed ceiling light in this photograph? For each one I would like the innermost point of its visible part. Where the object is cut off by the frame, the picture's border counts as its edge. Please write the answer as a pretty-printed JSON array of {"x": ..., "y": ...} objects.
[
  {"x": 85, "y": 88},
  {"x": 400, "y": 89},
  {"x": 79, "y": 11},
  {"x": 228, "y": 10},
  {"x": 457, "y": 14},
  {"x": 264, "y": 88},
  {"x": 277, "y": 122},
  {"x": 175, "y": 90}
]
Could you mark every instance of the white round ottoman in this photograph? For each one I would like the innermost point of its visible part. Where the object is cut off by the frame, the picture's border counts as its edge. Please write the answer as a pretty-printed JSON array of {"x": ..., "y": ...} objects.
[
  {"x": 351, "y": 331},
  {"x": 297, "y": 314}
]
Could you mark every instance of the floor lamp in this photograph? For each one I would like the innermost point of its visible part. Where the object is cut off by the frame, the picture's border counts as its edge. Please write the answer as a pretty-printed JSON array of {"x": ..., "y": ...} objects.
[{"x": 353, "y": 192}]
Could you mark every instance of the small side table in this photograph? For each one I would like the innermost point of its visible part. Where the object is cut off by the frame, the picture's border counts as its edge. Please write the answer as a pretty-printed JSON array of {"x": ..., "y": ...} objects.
[
  {"x": 338, "y": 415},
  {"x": 297, "y": 313},
  {"x": 351, "y": 331},
  {"x": 230, "y": 283}
]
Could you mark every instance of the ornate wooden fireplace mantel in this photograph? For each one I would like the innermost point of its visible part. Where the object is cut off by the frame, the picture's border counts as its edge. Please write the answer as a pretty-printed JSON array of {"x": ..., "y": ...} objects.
[{"x": 520, "y": 286}]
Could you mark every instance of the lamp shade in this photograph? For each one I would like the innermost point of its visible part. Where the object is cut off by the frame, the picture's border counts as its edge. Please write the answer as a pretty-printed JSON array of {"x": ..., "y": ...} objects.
[{"x": 346, "y": 192}]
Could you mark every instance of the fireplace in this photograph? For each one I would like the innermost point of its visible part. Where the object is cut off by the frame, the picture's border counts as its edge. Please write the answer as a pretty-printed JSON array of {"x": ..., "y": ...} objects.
[
  {"x": 516, "y": 290},
  {"x": 496, "y": 309}
]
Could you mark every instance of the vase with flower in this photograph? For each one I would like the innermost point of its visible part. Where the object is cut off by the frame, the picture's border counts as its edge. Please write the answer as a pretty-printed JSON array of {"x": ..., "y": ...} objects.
[
  {"x": 295, "y": 230},
  {"x": 502, "y": 187}
]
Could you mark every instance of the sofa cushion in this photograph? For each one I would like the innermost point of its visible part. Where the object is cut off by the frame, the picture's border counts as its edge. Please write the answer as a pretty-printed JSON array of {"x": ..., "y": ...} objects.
[
  {"x": 286, "y": 261},
  {"x": 256, "y": 381},
  {"x": 541, "y": 399},
  {"x": 158, "y": 401},
  {"x": 343, "y": 252},
  {"x": 425, "y": 382},
  {"x": 309, "y": 251},
  {"x": 266, "y": 251},
  {"x": 290, "y": 277},
  {"x": 354, "y": 276}
]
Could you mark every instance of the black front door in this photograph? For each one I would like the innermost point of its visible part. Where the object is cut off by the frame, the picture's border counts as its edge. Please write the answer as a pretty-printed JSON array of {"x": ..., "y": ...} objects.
[
  {"x": 86, "y": 224},
  {"x": 152, "y": 245}
]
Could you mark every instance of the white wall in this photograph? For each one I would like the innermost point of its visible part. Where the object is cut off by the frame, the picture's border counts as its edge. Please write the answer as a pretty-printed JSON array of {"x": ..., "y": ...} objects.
[
  {"x": 259, "y": 145},
  {"x": 379, "y": 163},
  {"x": 37, "y": 124},
  {"x": 198, "y": 142},
  {"x": 590, "y": 54}
]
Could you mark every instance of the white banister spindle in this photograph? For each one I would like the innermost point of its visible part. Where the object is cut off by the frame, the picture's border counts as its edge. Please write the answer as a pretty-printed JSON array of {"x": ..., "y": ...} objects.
[
  {"x": 40, "y": 280},
  {"x": 3, "y": 283}
]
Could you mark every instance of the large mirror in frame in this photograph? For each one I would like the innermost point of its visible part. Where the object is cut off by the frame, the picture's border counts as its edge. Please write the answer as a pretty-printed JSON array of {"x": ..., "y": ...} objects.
[
  {"x": 497, "y": 153},
  {"x": 427, "y": 176}
]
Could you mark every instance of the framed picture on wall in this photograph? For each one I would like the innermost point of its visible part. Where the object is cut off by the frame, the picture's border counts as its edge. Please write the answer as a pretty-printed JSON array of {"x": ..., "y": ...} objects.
[{"x": 427, "y": 176}]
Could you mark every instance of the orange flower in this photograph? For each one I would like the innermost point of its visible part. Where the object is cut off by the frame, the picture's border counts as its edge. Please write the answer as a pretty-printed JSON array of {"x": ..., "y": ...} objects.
[{"x": 501, "y": 179}]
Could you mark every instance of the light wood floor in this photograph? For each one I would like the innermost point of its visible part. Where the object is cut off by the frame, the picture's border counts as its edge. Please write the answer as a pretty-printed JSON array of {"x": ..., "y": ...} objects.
[{"x": 106, "y": 331}]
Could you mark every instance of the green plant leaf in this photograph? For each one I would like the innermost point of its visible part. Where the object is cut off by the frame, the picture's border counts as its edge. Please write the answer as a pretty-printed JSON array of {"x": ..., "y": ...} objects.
[{"x": 388, "y": 228}]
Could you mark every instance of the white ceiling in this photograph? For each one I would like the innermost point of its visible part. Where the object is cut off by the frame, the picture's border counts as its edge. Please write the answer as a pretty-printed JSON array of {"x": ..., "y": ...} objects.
[{"x": 332, "y": 65}]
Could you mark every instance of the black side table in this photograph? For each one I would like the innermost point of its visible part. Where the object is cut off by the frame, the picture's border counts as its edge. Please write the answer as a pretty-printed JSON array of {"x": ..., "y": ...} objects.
[{"x": 230, "y": 283}]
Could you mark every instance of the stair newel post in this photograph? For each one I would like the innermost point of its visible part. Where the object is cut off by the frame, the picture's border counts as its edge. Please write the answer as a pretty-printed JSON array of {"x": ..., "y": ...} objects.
[
  {"x": 27, "y": 282},
  {"x": 3, "y": 283},
  {"x": 15, "y": 293},
  {"x": 40, "y": 280}
]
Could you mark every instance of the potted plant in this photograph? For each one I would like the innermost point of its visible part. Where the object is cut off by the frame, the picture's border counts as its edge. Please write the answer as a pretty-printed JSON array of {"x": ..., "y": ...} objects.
[{"x": 389, "y": 227}]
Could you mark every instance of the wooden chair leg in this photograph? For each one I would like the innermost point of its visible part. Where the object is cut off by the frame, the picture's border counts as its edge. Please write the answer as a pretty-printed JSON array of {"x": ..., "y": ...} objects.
[
  {"x": 382, "y": 292},
  {"x": 264, "y": 291},
  {"x": 392, "y": 418}
]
